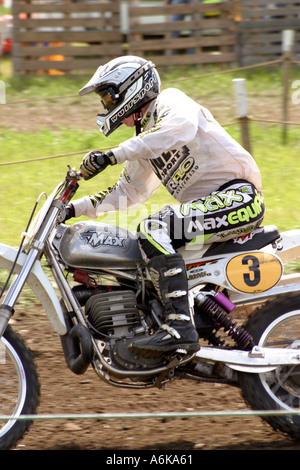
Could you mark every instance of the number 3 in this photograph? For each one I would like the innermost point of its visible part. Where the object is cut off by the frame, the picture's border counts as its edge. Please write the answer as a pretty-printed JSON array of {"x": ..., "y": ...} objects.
[
  {"x": 254, "y": 271},
  {"x": 252, "y": 279}
]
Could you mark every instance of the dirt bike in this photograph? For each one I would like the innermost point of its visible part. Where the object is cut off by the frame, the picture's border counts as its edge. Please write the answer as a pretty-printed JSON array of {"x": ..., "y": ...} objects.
[{"x": 106, "y": 298}]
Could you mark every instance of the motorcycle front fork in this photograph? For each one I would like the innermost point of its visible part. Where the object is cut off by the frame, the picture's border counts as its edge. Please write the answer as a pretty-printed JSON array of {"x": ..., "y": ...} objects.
[{"x": 7, "y": 307}]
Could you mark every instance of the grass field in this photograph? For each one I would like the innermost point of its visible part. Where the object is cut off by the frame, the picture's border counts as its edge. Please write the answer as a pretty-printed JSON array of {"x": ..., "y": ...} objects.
[{"x": 21, "y": 183}]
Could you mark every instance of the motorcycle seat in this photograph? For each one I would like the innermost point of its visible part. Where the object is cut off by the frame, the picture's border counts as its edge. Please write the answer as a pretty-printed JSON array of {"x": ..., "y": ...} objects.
[{"x": 255, "y": 240}]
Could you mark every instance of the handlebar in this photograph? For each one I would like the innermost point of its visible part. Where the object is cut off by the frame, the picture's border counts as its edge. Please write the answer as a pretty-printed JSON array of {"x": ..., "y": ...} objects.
[{"x": 71, "y": 187}]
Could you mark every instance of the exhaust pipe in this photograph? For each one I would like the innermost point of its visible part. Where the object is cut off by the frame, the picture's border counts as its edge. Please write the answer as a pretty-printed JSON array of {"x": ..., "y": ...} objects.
[{"x": 77, "y": 347}]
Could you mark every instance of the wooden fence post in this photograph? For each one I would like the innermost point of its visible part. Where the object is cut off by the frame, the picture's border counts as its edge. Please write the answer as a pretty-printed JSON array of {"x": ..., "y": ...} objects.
[
  {"x": 124, "y": 17},
  {"x": 287, "y": 48},
  {"x": 242, "y": 110}
]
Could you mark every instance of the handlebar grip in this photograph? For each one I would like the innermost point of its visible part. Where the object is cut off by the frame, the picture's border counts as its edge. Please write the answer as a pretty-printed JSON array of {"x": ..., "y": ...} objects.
[{"x": 101, "y": 161}]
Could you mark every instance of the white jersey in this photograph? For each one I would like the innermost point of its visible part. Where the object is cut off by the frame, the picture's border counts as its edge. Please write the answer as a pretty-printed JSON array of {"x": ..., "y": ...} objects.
[{"x": 182, "y": 147}]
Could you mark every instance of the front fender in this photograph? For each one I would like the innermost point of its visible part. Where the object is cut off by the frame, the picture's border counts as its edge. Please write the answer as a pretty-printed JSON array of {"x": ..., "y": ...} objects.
[{"x": 40, "y": 285}]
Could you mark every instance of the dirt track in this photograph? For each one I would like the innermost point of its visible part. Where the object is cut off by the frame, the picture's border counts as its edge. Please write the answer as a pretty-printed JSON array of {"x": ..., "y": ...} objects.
[{"x": 62, "y": 392}]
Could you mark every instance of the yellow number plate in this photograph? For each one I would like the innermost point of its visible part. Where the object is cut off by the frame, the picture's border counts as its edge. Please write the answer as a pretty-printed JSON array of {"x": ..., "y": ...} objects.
[{"x": 254, "y": 272}]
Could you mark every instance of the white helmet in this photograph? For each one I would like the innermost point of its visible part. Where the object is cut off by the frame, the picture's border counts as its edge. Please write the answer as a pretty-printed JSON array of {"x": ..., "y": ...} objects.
[{"x": 124, "y": 85}]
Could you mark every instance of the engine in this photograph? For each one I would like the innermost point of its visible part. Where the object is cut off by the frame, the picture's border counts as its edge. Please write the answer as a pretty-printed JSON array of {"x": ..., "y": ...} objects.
[
  {"x": 115, "y": 318},
  {"x": 113, "y": 314}
]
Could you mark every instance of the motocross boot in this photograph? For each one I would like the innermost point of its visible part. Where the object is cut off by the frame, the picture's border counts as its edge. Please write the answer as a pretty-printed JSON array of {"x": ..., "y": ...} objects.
[{"x": 168, "y": 274}]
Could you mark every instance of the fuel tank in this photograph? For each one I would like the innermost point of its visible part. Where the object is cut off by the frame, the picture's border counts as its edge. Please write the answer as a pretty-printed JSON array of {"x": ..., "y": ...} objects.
[{"x": 92, "y": 245}]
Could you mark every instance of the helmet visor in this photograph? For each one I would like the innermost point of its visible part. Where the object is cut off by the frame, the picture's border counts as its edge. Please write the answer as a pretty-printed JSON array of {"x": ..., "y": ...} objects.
[{"x": 108, "y": 100}]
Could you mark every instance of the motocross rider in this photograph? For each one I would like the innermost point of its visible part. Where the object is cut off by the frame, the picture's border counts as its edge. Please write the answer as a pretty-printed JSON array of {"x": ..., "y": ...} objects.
[{"x": 179, "y": 144}]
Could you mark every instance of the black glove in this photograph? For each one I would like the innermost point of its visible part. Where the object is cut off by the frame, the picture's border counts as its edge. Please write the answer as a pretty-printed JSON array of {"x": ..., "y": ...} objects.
[
  {"x": 94, "y": 162},
  {"x": 67, "y": 213}
]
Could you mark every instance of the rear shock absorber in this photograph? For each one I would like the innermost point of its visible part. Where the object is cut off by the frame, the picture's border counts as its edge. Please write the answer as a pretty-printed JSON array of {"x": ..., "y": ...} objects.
[{"x": 219, "y": 307}]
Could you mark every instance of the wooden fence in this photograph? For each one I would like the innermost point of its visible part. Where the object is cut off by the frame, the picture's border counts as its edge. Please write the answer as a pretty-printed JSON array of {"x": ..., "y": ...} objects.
[
  {"x": 64, "y": 36},
  {"x": 76, "y": 36},
  {"x": 194, "y": 33},
  {"x": 261, "y": 26}
]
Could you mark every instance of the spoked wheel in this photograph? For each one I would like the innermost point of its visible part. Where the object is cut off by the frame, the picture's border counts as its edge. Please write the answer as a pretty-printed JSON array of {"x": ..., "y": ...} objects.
[
  {"x": 19, "y": 388},
  {"x": 276, "y": 325}
]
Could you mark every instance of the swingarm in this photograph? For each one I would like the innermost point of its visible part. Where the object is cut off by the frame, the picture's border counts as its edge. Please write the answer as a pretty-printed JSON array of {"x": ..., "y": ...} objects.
[{"x": 258, "y": 360}]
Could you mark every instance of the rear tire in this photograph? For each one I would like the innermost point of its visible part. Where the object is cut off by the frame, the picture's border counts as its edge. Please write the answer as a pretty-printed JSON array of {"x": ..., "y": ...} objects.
[
  {"x": 19, "y": 388},
  {"x": 276, "y": 324}
]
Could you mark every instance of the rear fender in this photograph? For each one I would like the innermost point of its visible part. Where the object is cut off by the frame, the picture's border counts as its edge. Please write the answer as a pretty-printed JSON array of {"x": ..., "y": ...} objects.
[
  {"x": 39, "y": 284},
  {"x": 289, "y": 246}
]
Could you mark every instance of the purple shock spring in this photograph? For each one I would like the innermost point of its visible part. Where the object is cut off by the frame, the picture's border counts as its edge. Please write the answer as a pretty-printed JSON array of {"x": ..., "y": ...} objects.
[{"x": 220, "y": 307}]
